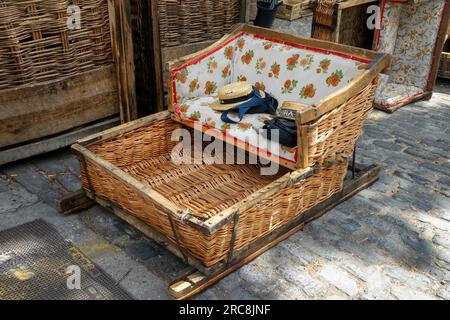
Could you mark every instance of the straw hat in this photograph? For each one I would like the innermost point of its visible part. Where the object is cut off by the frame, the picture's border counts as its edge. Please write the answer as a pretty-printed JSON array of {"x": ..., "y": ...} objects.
[{"x": 234, "y": 94}]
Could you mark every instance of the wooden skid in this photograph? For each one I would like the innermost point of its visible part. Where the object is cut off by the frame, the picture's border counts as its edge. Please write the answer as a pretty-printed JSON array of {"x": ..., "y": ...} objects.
[
  {"x": 200, "y": 277},
  {"x": 36, "y": 147},
  {"x": 74, "y": 202}
]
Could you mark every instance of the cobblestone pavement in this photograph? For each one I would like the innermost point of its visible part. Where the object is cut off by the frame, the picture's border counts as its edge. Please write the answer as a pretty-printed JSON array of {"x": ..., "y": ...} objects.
[{"x": 391, "y": 241}]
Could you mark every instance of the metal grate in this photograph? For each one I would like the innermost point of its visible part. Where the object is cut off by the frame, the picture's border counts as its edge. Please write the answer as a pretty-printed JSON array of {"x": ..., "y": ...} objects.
[{"x": 33, "y": 263}]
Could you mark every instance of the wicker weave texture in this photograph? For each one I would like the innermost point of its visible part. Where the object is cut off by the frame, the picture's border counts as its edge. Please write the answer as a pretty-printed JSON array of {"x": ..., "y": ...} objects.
[
  {"x": 37, "y": 46},
  {"x": 337, "y": 131},
  {"x": 204, "y": 189},
  {"x": 190, "y": 21}
]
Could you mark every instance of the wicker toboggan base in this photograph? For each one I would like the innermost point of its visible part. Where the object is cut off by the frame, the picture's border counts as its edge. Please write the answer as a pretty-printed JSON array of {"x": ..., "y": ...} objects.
[
  {"x": 205, "y": 190},
  {"x": 197, "y": 280}
]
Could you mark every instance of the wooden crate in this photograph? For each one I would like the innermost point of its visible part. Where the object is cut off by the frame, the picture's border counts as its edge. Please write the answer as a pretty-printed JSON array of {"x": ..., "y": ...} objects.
[
  {"x": 57, "y": 83},
  {"x": 295, "y": 9},
  {"x": 343, "y": 21}
]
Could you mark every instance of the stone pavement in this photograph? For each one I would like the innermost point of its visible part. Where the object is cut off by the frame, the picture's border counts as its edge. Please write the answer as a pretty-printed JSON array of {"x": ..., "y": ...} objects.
[{"x": 391, "y": 241}]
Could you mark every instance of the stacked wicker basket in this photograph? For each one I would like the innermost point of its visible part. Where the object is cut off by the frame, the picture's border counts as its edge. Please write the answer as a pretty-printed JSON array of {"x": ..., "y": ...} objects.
[
  {"x": 191, "y": 21},
  {"x": 36, "y": 46}
]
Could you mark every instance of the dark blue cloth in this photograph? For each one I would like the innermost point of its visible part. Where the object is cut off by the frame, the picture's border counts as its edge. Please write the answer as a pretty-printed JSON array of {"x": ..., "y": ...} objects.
[{"x": 257, "y": 104}]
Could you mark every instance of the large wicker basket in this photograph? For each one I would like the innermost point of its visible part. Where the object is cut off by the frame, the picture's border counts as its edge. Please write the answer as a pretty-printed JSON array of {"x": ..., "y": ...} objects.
[
  {"x": 200, "y": 206},
  {"x": 214, "y": 212}
]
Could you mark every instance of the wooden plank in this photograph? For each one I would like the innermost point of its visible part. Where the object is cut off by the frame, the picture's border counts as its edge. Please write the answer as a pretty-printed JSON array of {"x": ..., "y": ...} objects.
[
  {"x": 74, "y": 202},
  {"x": 245, "y": 11},
  {"x": 124, "y": 128},
  {"x": 186, "y": 284},
  {"x": 173, "y": 53},
  {"x": 302, "y": 138},
  {"x": 38, "y": 111},
  {"x": 122, "y": 43},
  {"x": 158, "y": 64},
  {"x": 11, "y": 154},
  {"x": 310, "y": 42},
  {"x": 147, "y": 57}
]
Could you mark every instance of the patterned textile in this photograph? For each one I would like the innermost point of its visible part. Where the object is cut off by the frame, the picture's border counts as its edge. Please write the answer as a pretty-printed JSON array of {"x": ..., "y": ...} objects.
[
  {"x": 409, "y": 32},
  {"x": 288, "y": 72}
]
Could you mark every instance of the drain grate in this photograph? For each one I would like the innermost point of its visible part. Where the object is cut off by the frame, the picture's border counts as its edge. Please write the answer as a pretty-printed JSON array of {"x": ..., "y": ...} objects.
[{"x": 36, "y": 263}]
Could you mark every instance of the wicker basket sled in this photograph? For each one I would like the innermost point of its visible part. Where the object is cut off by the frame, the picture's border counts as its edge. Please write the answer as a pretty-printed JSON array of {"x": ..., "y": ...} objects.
[{"x": 219, "y": 216}]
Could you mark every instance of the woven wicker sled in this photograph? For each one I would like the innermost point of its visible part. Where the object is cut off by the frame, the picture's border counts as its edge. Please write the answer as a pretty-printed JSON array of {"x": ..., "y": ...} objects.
[{"x": 219, "y": 216}]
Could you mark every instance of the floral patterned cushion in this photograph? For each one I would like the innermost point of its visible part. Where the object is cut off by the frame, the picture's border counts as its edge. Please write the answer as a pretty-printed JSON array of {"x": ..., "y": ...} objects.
[
  {"x": 289, "y": 72},
  {"x": 408, "y": 32},
  {"x": 391, "y": 94}
]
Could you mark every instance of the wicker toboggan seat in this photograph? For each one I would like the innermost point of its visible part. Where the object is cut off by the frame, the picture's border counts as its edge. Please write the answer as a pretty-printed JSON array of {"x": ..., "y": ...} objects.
[{"x": 212, "y": 211}]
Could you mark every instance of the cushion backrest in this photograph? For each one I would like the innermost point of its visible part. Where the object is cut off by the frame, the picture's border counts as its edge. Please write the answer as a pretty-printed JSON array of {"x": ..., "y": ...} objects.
[
  {"x": 206, "y": 75},
  {"x": 289, "y": 72},
  {"x": 292, "y": 72}
]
